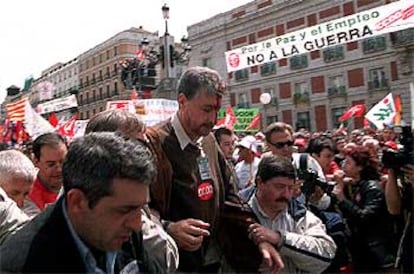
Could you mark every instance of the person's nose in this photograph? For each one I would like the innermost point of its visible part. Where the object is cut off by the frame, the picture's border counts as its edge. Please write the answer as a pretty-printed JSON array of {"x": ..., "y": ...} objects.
[{"x": 20, "y": 201}]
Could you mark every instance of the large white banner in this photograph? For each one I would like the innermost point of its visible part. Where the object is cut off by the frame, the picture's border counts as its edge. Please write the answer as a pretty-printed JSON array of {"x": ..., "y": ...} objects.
[
  {"x": 150, "y": 111},
  {"x": 384, "y": 19},
  {"x": 58, "y": 104}
]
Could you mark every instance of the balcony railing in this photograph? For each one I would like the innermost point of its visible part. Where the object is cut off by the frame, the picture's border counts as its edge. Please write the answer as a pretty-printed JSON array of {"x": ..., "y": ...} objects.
[
  {"x": 378, "y": 84},
  {"x": 243, "y": 105},
  {"x": 301, "y": 98},
  {"x": 336, "y": 91},
  {"x": 402, "y": 38}
]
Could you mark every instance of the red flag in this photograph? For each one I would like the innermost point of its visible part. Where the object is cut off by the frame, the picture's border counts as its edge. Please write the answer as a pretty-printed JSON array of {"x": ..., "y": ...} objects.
[
  {"x": 134, "y": 94},
  {"x": 354, "y": 111},
  {"x": 53, "y": 119},
  {"x": 255, "y": 123},
  {"x": 140, "y": 54},
  {"x": 229, "y": 120},
  {"x": 366, "y": 123},
  {"x": 398, "y": 110},
  {"x": 67, "y": 129}
]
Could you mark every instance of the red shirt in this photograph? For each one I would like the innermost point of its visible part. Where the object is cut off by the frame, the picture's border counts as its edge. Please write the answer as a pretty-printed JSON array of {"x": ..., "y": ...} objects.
[
  {"x": 42, "y": 196},
  {"x": 332, "y": 168}
]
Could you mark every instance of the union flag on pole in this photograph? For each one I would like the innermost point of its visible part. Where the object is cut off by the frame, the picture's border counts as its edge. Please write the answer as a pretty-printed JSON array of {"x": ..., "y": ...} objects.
[
  {"x": 383, "y": 112},
  {"x": 354, "y": 111},
  {"x": 67, "y": 129},
  {"x": 229, "y": 120}
]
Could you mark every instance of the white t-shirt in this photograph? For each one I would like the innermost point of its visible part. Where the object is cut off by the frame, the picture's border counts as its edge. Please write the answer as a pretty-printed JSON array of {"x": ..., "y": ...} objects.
[{"x": 243, "y": 170}]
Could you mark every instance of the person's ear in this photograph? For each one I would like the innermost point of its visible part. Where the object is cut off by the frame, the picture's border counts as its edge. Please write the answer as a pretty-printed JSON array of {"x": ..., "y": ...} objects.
[
  {"x": 182, "y": 99},
  {"x": 259, "y": 181},
  {"x": 76, "y": 200}
]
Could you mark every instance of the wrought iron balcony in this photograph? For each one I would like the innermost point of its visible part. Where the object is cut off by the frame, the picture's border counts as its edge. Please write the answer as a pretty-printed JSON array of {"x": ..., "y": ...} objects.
[
  {"x": 335, "y": 91},
  {"x": 378, "y": 84}
]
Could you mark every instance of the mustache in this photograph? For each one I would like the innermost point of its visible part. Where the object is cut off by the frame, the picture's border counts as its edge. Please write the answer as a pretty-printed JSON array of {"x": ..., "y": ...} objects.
[{"x": 282, "y": 200}]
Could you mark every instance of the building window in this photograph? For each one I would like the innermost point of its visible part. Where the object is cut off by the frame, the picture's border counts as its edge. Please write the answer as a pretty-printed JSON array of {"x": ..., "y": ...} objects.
[
  {"x": 332, "y": 54},
  {"x": 271, "y": 119},
  {"x": 272, "y": 93},
  {"x": 301, "y": 94},
  {"x": 402, "y": 37},
  {"x": 377, "y": 79},
  {"x": 243, "y": 102},
  {"x": 303, "y": 120},
  {"x": 100, "y": 93},
  {"x": 115, "y": 51},
  {"x": 87, "y": 114},
  {"x": 299, "y": 61},
  {"x": 107, "y": 55},
  {"x": 268, "y": 68},
  {"x": 336, "y": 85},
  {"x": 373, "y": 44},
  {"x": 94, "y": 95},
  {"x": 100, "y": 58},
  {"x": 115, "y": 88},
  {"x": 81, "y": 99},
  {"x": 336, "y": 113},
  {"x": 108, "y": 91},
  {"x": 241, "y": 75},
  {"x": 207, "y": 62}
]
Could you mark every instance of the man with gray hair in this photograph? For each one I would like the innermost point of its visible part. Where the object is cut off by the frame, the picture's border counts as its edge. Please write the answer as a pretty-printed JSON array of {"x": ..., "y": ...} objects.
[
  {"x": 17, "y": 174},
  {"x": 193, "y": 180}
]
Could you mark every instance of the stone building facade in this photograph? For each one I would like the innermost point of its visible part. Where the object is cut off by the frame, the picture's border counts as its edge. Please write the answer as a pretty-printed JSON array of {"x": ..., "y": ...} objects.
[{"x": 308, "y": 90}]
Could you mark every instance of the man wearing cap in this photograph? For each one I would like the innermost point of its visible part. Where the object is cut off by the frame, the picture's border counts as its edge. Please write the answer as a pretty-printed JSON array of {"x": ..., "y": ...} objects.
[{"x": 246, "y": 168}]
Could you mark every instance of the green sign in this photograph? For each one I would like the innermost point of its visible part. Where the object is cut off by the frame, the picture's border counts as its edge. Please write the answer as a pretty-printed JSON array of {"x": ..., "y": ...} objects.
[{"x": 244, "y": 117}]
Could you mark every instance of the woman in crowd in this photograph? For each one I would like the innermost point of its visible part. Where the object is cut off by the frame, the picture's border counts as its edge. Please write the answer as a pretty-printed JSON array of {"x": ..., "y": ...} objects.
[{"x": 366, "y": 213}]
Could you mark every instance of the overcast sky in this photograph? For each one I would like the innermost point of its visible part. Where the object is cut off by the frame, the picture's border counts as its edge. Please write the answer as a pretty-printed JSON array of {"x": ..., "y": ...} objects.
[{"x": 36, "y": 34}]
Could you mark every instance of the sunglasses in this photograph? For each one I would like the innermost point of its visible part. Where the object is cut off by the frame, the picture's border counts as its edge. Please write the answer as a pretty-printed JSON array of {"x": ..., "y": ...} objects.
[{"x": 281, "y": 144}]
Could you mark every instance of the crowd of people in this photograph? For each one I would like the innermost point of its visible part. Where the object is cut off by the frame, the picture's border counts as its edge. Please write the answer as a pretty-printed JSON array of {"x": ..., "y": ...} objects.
[{"x": 126, "y": 198}]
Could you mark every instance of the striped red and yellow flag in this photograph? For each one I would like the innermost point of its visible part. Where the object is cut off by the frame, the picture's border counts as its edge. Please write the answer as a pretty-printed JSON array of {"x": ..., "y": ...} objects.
[{"x": 16, "y": 110}]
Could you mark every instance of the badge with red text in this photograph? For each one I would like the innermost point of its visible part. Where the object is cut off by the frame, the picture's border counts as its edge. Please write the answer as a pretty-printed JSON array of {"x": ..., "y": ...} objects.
[{"x": 205, "y": 191}]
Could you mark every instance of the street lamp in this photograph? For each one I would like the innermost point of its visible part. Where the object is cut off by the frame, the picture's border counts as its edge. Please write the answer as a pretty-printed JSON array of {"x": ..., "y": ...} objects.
[{"x": 167, "y": 47}]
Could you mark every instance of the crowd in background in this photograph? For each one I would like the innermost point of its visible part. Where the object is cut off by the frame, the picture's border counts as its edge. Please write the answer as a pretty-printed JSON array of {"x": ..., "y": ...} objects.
[{"x": 126, "y": 197}]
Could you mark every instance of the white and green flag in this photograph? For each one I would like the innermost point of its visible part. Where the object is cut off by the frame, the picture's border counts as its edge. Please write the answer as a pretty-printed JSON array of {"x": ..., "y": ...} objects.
[{"x": 383, "y": 112}]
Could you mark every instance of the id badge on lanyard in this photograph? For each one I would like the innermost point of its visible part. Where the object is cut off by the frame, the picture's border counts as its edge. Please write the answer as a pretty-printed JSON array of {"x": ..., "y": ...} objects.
[{"x": 205, "y": 188}]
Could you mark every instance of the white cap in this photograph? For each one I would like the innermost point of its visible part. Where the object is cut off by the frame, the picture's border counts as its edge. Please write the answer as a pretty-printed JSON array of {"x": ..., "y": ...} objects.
[{"x": 248, "y": 142}]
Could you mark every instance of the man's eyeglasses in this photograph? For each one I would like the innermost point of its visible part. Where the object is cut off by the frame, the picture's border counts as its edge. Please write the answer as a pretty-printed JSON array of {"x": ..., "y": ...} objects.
[{"x": 281, "y": 144}]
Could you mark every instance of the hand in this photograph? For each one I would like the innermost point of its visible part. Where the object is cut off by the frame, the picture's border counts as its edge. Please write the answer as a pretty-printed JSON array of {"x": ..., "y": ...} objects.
[
  {"x": 338, "y": 191},
  {"x": 189, "y": 233},
  {"x": 338, "y": 176},
  {"x": 316, "y": 195},
  {"x": 271, "y": 259},
  {"x": 259, "y": 234},
  {"x": 409, "y": 173}
]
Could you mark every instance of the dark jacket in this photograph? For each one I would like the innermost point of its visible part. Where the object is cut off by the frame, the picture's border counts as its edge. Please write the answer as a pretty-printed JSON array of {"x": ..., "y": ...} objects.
[
  {"x": 45, "y": 245},
  {"x": 176, "y": 192},
  {"x": 371, "y": 227}
]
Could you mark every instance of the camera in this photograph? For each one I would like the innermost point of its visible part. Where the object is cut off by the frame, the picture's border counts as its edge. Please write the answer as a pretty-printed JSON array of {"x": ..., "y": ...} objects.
[
  {"x": 395, "y": 159},
  {"x": 311, "y": 180}
]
